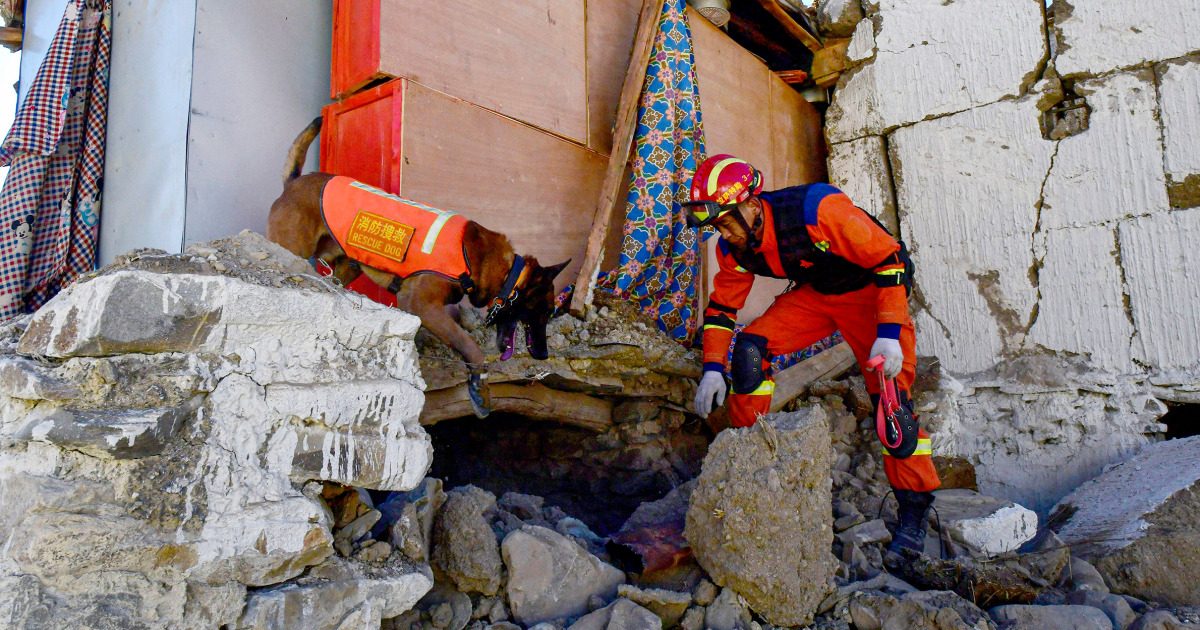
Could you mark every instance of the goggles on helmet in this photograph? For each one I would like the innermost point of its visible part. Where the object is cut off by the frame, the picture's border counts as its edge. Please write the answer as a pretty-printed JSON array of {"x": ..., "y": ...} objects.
[{"x": 702, "y": 213}]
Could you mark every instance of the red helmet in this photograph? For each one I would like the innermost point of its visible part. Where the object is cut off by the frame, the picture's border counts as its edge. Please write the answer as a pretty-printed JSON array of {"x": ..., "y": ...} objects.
[{"x": 721, "y": 182}]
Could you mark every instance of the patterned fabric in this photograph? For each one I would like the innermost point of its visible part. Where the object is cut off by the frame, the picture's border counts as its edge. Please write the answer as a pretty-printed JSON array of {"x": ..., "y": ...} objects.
[
  {"x": 50, "y": 202},
  {"x": 660, "y": 255}
]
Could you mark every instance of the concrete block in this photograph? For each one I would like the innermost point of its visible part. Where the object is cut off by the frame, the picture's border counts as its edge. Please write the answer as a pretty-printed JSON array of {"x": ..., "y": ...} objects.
[
  {"x": 860, "y": 169},
  {"x": 1178, "y": 95},
  {"x": 1099, "y": 37},
  {"x": 969, "y": 53},
  {"x": 1160, "y": 259}
]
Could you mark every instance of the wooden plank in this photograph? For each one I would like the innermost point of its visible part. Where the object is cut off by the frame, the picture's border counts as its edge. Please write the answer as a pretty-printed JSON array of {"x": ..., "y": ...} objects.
[
  {"x": 534, "y": 401},
  {"x": 829, "y": 62},
  {"x": 611, "y": 28},
  {"x": 797, "y": 138},
  {"x": 523, "y": 58},
  {"x": 534, "y": 187},
  {"x": 10, "y": 37},
  {"x": 790, "y": 25},
  {"x": 610, "y": 190},
  {"x": 792, "y": 382}
]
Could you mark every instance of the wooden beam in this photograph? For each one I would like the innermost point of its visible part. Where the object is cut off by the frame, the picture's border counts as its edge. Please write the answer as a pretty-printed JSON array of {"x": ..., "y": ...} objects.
[
  {"x": 792, "y": 382},
  {"x": 10, "y": 38},
  {"x": 829, "y": 62},
  {"x": 535, "y": 401},
  {"x": 790, "y": 25},
  {"x": 623, "y": 130}
]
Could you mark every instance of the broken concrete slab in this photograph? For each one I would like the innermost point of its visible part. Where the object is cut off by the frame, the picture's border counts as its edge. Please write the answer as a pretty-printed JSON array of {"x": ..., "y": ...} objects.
[
  {"x": 550, "y": 577},
  {"x": 760, "y": 516},
  {"x": 862, "y": 42},
  {"x": 1157, "y": 253},
  {"x": 1018, "y": 617},
  {"x": 1137, "y": 523},
  {"x": 330, "y": 592},
  {"x": 985, "y": 525},
  {"x": 1178, "y": 93},
  {"x": 860, "y": 169},
  {"x": 1097, "y": 38},
  {"x": 464, "y": 548},
  {"x": 970, "y": 54}
]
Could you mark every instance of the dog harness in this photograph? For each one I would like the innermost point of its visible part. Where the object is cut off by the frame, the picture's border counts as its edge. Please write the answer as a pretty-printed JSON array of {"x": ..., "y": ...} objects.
[{"x": 394, "y": 234}]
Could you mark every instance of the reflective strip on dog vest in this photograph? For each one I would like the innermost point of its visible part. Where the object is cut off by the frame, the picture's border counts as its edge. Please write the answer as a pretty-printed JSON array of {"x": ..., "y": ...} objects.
[{"x": 381, "y": 230}]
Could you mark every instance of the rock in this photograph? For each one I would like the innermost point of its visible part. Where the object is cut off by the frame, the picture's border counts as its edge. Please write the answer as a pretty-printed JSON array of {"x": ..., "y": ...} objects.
[
  {"x": 727, "y": 612},
  {"x": 357, "y": 528},
  {"x": 693, "y": 619},
  {"x": 447, "y": 608},
  {"x": 162, "y": 421},
  {"x": 865, "y": 533},
  {"x": 550, "y": 577},
  {"x": 464, "y": 547},
  {"x": 1161, "y": 620},
  {"x": 759, "y": 518},
  {"x": 932, "y": 610},
  {"x": 1136, "y": 523},
  {"x": 669, "y": 606},
  {"x": 1042, "y": 617},
  {"x": 375, "y": 552},
  {"x": 848, "y": 521},
  {"x": 985, "y": 525},
  {"x": 330, "y": 592},
  {"x": 1082, "y": 576},
  {"x": 704, "y": 593},
  {"x": 412, "y": 528},
  {"x": 619, "y": 615},
  {"x": 524, "y": 506},
  {"x": 1113, "y": 606},
  {"x": 837, "y": 18}
]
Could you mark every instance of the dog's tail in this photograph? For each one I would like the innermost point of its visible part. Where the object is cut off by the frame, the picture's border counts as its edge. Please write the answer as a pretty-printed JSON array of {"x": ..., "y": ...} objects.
[{"x": 299, "y": 150}]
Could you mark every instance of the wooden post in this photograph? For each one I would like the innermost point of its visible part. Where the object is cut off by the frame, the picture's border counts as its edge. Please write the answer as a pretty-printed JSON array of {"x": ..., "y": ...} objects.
[
  {"x": 535, "y": 401},
  {"x": 626, "y": 125},
  {"x": 790, "y": 25}
]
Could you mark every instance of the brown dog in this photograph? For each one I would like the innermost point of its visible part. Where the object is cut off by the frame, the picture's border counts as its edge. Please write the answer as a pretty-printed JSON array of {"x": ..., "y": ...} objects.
[{"x": 298, "y": 223}]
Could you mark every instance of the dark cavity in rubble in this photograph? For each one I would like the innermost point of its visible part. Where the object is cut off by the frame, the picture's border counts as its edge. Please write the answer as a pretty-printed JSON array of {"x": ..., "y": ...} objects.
[
  {"x": 599, "y": 478},
  {"x": 1182, "y": 420}
]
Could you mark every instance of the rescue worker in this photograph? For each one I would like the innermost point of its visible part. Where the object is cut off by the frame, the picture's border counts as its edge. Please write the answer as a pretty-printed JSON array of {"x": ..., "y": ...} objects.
[{"x": 848, "y": 275}]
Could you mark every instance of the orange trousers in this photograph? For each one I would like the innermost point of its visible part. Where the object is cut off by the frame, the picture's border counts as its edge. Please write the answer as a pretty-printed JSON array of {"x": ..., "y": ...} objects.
[{"x": 801, "y": 317}]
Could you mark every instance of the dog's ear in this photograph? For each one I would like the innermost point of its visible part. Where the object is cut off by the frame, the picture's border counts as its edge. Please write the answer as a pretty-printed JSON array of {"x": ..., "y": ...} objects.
[{"x": 552, "y": 272}]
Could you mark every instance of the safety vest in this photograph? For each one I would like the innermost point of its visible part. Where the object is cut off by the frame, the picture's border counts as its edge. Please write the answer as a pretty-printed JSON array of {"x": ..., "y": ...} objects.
[
  {"x": 805, "y": 262},
  {"x": 394, "y": 234}
]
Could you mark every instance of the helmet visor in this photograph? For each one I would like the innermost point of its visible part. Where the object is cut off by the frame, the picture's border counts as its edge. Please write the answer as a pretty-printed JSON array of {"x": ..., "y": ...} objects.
[{"x": 702, "y": 213}]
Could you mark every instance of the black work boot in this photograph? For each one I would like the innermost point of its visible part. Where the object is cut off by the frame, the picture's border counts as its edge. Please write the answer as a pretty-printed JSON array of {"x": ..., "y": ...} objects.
[{"x": 910, "y": 532}]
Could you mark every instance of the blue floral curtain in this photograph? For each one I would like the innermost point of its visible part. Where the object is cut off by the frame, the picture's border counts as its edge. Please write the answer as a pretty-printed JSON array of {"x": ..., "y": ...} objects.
[{"x": 660, "y": 255}]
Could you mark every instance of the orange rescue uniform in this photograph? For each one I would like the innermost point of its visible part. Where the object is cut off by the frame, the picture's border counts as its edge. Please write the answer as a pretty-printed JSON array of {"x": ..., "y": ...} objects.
[{"x": 844, "y": 263}]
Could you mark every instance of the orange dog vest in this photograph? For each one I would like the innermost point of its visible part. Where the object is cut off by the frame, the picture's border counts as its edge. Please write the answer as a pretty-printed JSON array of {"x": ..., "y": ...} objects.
[{"x": 394, "y": 234}]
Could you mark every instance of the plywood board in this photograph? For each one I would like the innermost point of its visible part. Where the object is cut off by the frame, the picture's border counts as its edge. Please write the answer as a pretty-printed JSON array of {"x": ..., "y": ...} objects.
[
  {"x": 523, "y": 58},
  {"x": 536, "y": 188},
  {"x": 734, "y": 92},
  {"x": 797, "y": 138},
  {"x": 611, "y": 26}
]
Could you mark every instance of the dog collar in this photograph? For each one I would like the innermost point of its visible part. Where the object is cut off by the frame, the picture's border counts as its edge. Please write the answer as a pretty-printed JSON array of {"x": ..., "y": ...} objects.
[{"x": 508, "y": 291}]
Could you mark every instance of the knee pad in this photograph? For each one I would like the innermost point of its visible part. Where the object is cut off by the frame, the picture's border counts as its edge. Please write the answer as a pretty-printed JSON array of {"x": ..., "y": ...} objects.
[
  {"x": 748, "y": 354},
  {"x": 909, "y": 428}
]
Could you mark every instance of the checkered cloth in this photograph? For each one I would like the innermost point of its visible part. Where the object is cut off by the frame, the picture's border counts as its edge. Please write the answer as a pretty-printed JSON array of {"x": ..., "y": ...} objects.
[{"x": 50, "y": 203}]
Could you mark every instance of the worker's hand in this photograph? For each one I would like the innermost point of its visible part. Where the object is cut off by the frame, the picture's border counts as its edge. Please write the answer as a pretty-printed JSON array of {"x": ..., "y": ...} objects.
[
  {"x": 712, "y": 385},
  {"x": 893, "y": 356}
]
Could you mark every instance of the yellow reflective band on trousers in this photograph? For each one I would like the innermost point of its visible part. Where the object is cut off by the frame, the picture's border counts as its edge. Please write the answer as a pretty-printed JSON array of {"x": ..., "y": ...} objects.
[
  {"x": 707, "y": 326},
  {"x": 924, "y": 447},
  {"x": 766, "y": 388}
]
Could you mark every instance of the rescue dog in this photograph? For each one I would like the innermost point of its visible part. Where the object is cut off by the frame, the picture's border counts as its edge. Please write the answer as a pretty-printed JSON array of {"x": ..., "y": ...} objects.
[{"x": 516, "y": 289}]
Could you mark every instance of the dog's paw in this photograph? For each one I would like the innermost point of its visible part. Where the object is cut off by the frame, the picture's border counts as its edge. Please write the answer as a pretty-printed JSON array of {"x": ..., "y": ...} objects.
[{"x": 480, "y": 395}]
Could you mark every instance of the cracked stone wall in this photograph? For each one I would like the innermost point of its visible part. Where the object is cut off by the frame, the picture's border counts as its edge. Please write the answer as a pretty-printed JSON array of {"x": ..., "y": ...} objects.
[{"x": 1055, "y": 281}]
